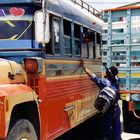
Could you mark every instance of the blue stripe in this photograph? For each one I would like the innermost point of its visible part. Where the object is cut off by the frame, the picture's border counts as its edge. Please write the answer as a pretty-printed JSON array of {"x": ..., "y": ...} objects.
[
  {"x": 15, "y": 1},
  {"x": 18, "y": 44}
]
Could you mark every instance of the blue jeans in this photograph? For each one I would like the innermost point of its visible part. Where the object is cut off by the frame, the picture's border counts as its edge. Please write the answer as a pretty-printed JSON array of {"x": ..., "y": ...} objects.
[{"x": 111, "y": 125}]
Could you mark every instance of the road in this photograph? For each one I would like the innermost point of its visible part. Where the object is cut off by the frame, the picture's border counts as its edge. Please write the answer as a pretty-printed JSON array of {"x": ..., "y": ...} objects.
[
  {"x": 128, "y": 136},
  {"x": 87, "y": 131}
]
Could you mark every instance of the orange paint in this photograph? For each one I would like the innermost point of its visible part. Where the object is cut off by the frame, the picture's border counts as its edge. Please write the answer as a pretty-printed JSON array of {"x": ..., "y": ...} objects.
[
  {"x": 129, "y": 92},
  {"x": 7, "y": 91},
  {"x": 131, "y": 106},
  {"x": 14, "y": 89},
  {"x": 2, "y": 118},
  {"x": 122, "y": 8},
  {"x": 54, "y": 95}
]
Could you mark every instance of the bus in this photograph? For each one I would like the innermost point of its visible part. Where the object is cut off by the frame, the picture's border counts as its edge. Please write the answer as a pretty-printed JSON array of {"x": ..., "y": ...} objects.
[
  {"x": 121, "y": 41},
  {"x": 43, "y": 90}
]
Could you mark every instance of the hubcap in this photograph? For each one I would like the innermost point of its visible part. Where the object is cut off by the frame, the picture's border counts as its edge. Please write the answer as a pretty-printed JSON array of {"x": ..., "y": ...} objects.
[{"x": 24, "y": 139}]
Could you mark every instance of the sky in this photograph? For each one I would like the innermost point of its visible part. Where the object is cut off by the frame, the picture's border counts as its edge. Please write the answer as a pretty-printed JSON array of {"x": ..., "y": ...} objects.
[{"x": 106, "y": 4}]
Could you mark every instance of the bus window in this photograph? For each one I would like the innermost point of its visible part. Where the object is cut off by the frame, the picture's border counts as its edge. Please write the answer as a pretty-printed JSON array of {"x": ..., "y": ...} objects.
[
  {"x": 91, "y": 44},
  {"x": 98, "y": 46},
  {"x": 77, "y": 43},
  {"x": 67, "y": 37},
  {"x": 49, "y": 49},
  {"x": 56, "y": 35},
  {"x": 88, "y": 46},
  {"x": 85, "y": 52}
]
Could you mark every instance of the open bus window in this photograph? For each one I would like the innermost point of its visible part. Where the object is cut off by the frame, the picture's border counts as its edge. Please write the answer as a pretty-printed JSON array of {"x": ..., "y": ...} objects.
[
  {"x": 49, "y": 48},
  {"x": 90, "y": 46},
  {"x": 67, "y": 37},
  {"x": 77, "y": 37},
  {"x": 56, "y": 35},
  {"x": 74, "y": 42},
  {"x": 98, "y": 46},
  {"x": 85, "y": 49}
]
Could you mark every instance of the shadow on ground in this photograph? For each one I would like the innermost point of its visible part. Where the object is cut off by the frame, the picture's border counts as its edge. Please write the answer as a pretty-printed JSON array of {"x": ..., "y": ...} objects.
[{"x": 87, "y": 131}]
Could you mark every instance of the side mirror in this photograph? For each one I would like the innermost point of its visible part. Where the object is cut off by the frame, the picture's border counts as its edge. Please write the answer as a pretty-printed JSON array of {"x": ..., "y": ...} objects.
[{"x": 42, "y": 32}]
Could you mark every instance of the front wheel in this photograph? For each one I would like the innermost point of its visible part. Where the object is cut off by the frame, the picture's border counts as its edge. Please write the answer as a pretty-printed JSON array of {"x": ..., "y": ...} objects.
[{"x": 22, "y": 130}]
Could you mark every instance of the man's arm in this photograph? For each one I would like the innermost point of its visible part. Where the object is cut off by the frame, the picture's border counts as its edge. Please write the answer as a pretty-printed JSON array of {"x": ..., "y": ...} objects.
[
  {"x": 99, "y": 81},
  {"x": 89, "y": 73}
]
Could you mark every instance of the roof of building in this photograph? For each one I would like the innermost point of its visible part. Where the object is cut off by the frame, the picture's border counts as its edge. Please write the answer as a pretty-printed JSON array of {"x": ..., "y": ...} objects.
[{"x": 135, "y": 5}]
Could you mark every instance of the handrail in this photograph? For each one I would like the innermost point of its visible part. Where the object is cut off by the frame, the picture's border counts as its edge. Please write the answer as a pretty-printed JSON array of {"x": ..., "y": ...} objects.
[{"x": 87, "y": 7}]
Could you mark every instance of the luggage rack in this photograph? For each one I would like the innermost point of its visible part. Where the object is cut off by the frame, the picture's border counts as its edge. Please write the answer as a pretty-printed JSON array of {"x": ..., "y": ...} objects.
[
  {"x": 83, "y": 5},
  {"x": 87, "y": 7}
]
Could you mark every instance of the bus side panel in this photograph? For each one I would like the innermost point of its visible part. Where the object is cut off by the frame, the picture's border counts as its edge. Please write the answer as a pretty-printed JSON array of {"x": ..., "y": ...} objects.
[
  {"x": 69, "y": 102},
  {"x": 64, "y": 103}
]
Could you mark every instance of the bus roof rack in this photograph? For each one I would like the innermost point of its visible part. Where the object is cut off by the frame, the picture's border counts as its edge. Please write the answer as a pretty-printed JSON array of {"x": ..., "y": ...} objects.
[
  {"x": 87, "y": 7},
  {"x": 80, "y": 3}
]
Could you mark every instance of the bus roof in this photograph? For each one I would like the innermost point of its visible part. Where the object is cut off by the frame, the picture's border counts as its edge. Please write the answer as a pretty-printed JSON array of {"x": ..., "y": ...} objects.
[{"x": 73, "y": 12}]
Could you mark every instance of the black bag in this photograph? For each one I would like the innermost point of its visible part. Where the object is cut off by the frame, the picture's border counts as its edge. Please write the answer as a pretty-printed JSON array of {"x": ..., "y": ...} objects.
[{"x": 105, "y": 99}]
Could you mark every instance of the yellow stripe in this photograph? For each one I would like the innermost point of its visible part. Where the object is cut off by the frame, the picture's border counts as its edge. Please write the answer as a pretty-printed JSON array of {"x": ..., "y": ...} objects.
[
  {"x": 123, "y": 96},
  {"x": 121, "y": 75},
  {"x": 10, "y": 23},
  {"x": 135, "y": 74},
  {"x": 50, "y": 61},
  {"x": 132, "y": 75},
  {"x": 14, "y": 37}
]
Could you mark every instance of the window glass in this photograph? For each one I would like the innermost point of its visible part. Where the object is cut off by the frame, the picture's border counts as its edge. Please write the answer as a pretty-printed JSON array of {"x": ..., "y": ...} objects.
[
  {"x": 98, "y": 46},
  {"x": 67, "y": 37},
  {"x": 85, "y": 47},
  {"x": 77, "y": 42},
  {"x": 56, "y": 35}
]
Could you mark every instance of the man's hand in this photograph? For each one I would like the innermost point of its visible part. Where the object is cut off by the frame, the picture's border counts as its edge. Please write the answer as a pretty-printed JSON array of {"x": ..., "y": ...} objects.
[
  {"x": 82, "y": 63},
  {"x": 85, "y": 69}
]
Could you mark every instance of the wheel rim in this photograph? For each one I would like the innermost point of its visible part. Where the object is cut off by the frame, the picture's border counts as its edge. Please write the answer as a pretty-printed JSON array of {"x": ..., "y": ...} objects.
[{"x": 24, "y": 139}]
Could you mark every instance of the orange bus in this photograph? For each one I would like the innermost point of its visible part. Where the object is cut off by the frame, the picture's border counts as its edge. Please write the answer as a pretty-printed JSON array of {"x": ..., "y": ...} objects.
[{"x": 43, "y": 90}]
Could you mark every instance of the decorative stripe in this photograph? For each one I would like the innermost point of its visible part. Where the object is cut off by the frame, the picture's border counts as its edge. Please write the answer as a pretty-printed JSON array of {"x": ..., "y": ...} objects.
[{"x": 68, "y": 68}]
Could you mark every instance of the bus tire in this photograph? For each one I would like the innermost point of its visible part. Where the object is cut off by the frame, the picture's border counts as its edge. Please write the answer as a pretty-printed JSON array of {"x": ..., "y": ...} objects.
[{"x": 22, "y": 130}]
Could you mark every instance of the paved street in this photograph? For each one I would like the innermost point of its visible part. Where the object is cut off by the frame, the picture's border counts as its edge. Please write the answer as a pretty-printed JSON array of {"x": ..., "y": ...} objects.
[
  {"x": 128, "y": 136},
  {"x": 87, "y": 131}
]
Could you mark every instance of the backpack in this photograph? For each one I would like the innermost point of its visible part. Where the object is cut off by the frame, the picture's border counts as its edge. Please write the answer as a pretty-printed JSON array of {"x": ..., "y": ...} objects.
[{"x": 105, "y": 99}]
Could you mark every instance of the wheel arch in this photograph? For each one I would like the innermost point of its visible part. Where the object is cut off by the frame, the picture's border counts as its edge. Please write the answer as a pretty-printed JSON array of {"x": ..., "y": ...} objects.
[{"x": 27, "y": 110}]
